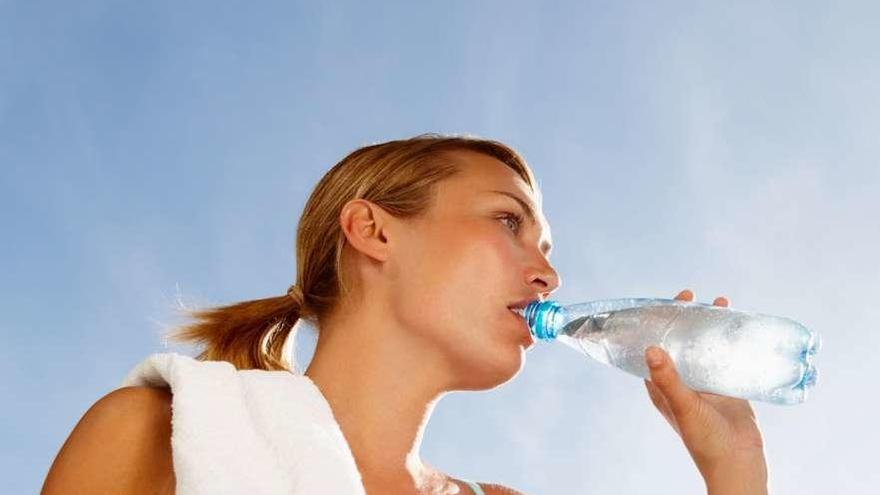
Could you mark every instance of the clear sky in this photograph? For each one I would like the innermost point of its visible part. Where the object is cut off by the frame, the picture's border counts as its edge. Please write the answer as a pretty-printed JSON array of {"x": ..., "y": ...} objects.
[{"x": 152, "y": 152}]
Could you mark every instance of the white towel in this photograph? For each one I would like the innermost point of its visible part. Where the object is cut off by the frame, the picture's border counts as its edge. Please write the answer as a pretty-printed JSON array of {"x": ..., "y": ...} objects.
[{"x": 250, "y": 431}]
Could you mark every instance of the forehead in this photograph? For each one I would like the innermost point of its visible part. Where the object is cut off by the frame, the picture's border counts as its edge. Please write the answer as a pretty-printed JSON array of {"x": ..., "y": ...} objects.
[
  {"x": 482, "y": 178},
  {"x": 479, "y": 172}
]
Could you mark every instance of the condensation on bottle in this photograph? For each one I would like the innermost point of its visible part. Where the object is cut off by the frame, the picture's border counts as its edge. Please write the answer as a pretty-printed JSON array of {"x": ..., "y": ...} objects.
[{"x": 715, "y": 349}]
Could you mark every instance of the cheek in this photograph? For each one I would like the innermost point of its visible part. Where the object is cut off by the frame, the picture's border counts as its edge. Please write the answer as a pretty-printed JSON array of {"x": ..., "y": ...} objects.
[
  {"x": 453, "y": 284},
  {"x": 453, "y": 293},
  {"x": 451, "y": 261},
  {"x": 473, "y": 274},
  {"x": 425, "y": 278}
]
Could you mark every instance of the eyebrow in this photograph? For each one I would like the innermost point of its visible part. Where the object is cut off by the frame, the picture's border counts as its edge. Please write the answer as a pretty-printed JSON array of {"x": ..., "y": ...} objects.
[{"x": 546, "y": 247}]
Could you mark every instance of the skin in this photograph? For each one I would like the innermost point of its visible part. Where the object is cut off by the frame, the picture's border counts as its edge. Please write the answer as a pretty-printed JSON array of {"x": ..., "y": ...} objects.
[
  {"x": 403, "y": 347},
  {"x": 469, "y": 257},
  {"x": 721, "y": 433}
]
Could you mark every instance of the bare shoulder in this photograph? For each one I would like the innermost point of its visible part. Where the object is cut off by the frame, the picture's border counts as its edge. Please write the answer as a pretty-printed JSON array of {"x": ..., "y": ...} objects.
[
  {"x": 133, "y": 402},
  {"x": 122, "y": 444}
]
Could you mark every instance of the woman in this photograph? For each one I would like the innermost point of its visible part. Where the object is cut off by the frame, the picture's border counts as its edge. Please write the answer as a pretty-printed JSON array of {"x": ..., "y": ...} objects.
[{"x": 410, "y": 255}]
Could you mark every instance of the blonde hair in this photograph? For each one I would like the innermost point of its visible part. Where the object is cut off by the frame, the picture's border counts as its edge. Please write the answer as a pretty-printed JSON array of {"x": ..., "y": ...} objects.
[{"x": 398, "y": 176}]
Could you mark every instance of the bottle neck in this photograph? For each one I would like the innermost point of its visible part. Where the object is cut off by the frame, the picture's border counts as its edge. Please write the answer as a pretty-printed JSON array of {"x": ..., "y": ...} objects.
[{"x": 545, "y": 319}]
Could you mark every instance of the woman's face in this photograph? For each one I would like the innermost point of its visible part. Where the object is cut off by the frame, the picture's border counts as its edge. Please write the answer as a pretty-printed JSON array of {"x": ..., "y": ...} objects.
[{"x": 466, "y": 261}]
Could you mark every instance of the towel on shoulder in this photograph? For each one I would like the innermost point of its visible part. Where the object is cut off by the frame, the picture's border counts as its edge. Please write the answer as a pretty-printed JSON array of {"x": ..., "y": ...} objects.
[{"x": 249, "y": 431}]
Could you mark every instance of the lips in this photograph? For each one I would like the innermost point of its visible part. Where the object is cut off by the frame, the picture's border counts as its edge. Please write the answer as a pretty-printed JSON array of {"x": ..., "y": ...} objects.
[{"x": 528, "y": 339}]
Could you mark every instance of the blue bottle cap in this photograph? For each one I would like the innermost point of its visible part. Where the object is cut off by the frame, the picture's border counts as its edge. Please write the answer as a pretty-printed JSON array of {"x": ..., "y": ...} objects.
[{"x": 545, "y": 319}]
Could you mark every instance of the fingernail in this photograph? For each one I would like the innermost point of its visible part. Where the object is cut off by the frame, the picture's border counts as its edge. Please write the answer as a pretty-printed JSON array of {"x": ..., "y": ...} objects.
[{"x": 655, "y": 357}]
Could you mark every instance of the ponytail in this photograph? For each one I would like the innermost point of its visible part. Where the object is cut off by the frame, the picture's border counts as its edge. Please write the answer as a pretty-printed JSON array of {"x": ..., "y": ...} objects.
[{"x": 248, "y": 334}]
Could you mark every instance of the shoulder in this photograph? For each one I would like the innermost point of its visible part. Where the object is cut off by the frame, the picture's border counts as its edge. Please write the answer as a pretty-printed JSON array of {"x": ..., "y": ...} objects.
[
  {"x": 135, "y": 412},
  {"x": 140, "y": 400},
  {"x": 122, "y": 444}
]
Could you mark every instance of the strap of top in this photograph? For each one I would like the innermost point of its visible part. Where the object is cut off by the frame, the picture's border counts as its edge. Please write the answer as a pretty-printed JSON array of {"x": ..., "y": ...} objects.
[{"x": 475, "y": 487}]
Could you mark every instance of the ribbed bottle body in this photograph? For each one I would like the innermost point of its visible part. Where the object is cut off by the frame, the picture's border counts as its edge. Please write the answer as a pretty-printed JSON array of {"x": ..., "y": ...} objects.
[{"x": 715, "y": 349}]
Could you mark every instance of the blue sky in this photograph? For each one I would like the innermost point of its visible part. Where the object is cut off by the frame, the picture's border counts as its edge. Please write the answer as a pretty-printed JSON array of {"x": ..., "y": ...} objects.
[{"x": 158, "y": 152}]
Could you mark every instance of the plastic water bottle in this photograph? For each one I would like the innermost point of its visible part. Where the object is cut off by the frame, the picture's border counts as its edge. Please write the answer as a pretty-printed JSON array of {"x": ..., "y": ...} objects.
[{"x": 715, "y": 349}]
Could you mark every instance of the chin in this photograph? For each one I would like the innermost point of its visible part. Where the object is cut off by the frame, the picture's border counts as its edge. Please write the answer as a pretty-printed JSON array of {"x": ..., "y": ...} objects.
[{"x": 491, "y": 373}]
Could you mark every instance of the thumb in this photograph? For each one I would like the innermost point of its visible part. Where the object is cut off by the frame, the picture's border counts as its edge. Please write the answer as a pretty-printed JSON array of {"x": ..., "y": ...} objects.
[{"x": 682, "y": 400}]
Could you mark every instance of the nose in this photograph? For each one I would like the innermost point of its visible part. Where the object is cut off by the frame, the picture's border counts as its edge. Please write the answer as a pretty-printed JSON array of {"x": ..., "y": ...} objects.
[{"x": 543, "y": 278}]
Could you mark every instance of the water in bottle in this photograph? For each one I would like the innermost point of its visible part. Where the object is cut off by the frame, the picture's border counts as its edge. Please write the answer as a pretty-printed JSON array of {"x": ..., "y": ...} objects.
[{"x": 715, "y": 349}]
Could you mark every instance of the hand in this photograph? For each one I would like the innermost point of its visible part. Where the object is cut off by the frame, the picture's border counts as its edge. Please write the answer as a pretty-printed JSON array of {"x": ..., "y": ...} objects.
[{"x": 721, "y": 433}]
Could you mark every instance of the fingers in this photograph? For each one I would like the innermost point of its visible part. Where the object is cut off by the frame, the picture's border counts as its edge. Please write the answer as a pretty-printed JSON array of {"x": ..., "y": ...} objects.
[
  {"x": 681, "y": 400},
  {"x": 661, "y": 404},
  {"x": 688, "y": 295},
  {"x": 668, "y": 393},
  {"x": 685, "y": 295}
]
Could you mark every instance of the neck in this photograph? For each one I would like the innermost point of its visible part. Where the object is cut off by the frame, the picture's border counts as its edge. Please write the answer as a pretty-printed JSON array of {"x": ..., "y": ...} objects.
[{"x": 382, "y": 387}]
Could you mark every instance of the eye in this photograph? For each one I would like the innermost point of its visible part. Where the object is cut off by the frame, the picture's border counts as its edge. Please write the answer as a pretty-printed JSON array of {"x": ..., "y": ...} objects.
[{"x": 517, "y": 220}]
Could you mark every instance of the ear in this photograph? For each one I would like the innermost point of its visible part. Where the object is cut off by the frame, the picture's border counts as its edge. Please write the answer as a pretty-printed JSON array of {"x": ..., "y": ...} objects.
[{"x": 364, "y": 225}]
